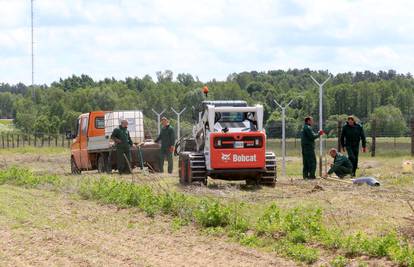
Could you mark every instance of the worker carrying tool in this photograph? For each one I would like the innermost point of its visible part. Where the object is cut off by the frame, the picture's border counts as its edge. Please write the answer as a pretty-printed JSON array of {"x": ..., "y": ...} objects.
[
  {"x": 352, "y": 134},
  {"x": 167, "y": 138},
  {"x": 341, "y": 166},
  {"x": 307, "y": 139},
  {"x": 123, "y": 144}
]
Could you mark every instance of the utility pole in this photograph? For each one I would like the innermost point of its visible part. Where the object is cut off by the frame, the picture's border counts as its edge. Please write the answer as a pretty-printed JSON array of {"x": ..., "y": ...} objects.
[
  {"x": 32, "y": 47},
  {"x": 178, "y": 121},
  {"x": 283, "y": 136},
  {"x": 320, "y": 120},
  {"x": 158, "y": 118}
]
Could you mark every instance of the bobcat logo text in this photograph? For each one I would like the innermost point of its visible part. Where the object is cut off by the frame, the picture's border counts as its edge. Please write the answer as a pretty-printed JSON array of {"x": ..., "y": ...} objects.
[{"x": 238, "y": 158}]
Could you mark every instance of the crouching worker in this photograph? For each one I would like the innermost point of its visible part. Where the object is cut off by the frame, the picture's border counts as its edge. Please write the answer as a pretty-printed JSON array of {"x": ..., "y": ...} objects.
[
  {"x": 123, "y": 143},
  {"x": 341, "y": 166}
]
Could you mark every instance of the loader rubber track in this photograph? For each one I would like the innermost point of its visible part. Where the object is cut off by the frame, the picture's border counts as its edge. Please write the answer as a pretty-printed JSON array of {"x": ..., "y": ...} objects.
[
  {"x": 269, "y": 177},
  {"x": 192, "y": 168}
]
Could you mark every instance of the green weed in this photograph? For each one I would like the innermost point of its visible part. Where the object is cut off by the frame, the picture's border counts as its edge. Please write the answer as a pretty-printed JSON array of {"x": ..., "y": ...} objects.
[
  {"x": 298, "y": 252},
  {"x": 339, "y": 261},
  {"x": 210, "y": 213}
]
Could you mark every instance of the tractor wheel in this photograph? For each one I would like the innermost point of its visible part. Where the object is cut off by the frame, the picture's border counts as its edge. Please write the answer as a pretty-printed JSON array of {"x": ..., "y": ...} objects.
[
  {"x": 183, "y": 169},
  {"x": 251, "y": 182},
  {"x": 73, "y": 167},
  {"x": 102, "y": 163}
]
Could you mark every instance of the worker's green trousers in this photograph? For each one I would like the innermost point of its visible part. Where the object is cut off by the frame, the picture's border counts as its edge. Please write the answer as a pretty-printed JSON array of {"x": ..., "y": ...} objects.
[
  {"x": 353, "y": 152},
  {"x": 165, "y": 153},
  {"x": 309, "y": 163},
  {"x": 341, "y": 171},
  {"x": 122, "y": 165}
]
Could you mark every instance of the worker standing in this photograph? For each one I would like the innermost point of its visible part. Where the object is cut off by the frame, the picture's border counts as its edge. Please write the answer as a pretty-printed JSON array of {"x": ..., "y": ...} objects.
[
  {"x": 307, "y": 139},
  {"x": 341, "y": 166},
  {"x": 167, "y": 138},
  {"x": 123, "y": 143},
  {"x": 352, "y": 134}
]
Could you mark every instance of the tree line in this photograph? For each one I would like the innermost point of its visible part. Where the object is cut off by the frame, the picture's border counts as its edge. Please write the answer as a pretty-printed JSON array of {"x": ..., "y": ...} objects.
[{"x": 386, "y": 96}]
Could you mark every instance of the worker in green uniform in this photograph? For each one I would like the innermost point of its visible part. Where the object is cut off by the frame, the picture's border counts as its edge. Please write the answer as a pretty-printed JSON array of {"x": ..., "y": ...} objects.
[
  {"x": 167, "y": 138},
  {"x": 307, "y": 139},
  {"x": 341, "y": 166},
  {"x": 352, "y": 134},
  {"x": 123, "y": 145}
]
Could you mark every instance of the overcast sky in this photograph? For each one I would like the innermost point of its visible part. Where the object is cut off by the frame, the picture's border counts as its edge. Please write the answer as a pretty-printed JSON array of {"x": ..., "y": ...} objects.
[{"x": 207, "y": 38}]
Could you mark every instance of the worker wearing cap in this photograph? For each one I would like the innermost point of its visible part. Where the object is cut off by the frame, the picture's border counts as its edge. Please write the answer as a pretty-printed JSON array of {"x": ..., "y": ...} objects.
[
  {"x": 352, "y": 134},
  {"x": 167, "y": 138},
  {"x": 307, "y": 139},
  {"x": 341, "y": 166},
  {"x": 123, "y": 145}
]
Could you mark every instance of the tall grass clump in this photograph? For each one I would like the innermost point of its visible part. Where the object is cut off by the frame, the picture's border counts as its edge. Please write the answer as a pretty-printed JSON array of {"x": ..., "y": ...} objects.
[{"x": 207, "y": 213}]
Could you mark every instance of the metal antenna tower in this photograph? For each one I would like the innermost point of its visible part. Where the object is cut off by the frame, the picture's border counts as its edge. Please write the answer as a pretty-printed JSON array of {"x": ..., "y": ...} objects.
[{"x": 32, "y": 45}]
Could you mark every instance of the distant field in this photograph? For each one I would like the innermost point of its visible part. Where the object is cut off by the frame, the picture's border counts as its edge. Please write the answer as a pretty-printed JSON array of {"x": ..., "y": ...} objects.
[{"x": 6, "y": 125}]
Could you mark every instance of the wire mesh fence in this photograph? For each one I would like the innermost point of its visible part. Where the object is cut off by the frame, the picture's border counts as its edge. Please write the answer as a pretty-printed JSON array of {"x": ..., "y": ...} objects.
[
  {"x": 15, "y": 140},
  {"x": 386, "y": 142},
  {"x": 385, "y": 146}
]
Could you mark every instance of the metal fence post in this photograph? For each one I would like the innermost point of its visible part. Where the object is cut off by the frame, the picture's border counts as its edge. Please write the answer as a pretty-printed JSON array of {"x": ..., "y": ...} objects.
[
  {"x": 339, "y": 135},
  {"x": 412, "y": 136},
  {"x": 178, "y": 121},
  {"x": 320, "y": 120},
  {"x": 158, "y": 119},
  {"x": 374, "y": 137},
  {"x": 283, "y": 135}
]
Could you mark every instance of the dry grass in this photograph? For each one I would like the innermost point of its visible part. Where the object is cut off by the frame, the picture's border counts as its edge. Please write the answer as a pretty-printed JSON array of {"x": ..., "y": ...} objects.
[
  {"x": 42, "y": 228},
  {"x": 374, "y": 210}
]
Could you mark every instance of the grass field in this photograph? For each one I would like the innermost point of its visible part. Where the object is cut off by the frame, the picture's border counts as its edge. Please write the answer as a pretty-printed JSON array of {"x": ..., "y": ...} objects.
[
  {"x": 6, "y": 126},
  {"x": 45, "y": 219}
]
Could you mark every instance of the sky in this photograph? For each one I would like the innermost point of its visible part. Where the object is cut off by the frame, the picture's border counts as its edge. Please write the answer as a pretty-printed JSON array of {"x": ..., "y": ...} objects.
[{"x": 209, "y": 39}]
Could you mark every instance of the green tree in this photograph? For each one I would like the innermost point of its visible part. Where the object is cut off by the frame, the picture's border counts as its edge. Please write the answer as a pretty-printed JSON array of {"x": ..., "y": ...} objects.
[{"x": 389, "y": 121}]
